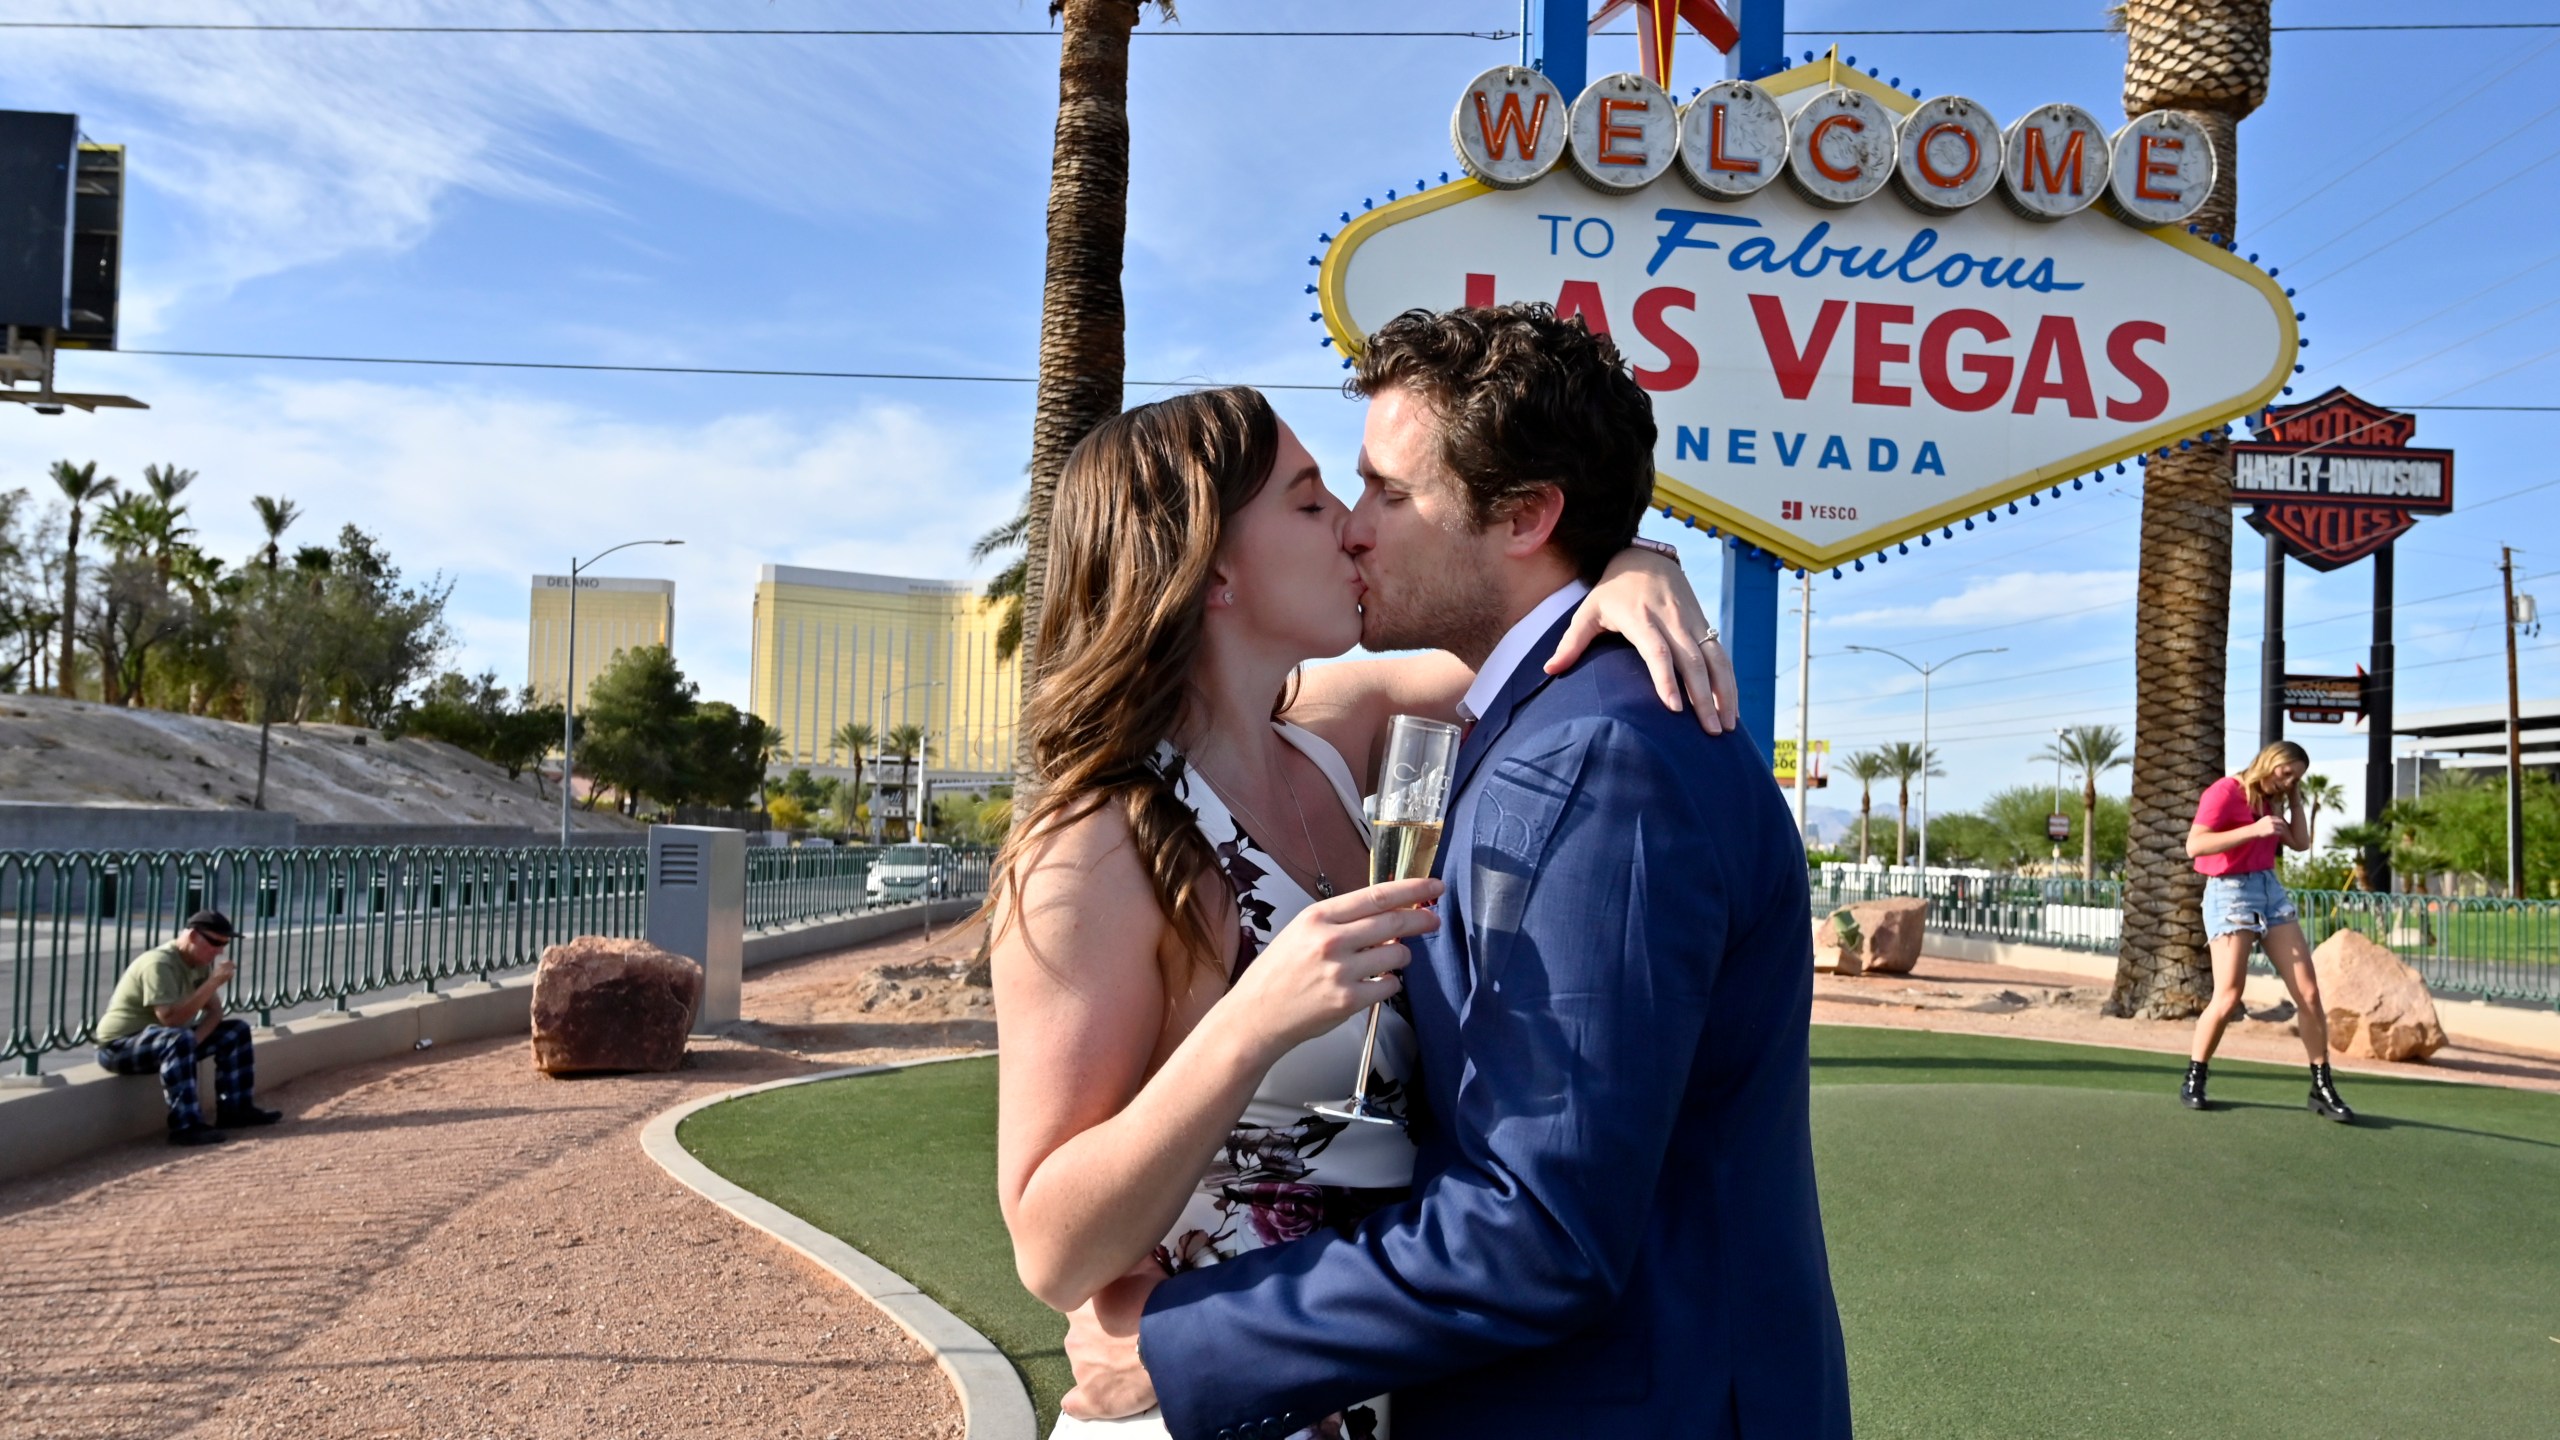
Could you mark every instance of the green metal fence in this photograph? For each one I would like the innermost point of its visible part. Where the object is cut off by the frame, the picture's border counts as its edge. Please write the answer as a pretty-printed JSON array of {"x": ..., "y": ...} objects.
[
  {"x": 2494, "y": 949},
  {"x": 787, "y": 887},
  {"x": 319, "y": 925}
]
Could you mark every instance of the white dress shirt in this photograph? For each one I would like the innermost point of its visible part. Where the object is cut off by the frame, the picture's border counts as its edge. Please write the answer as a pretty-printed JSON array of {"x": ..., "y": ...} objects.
[{"x": 1514, "y": 648}]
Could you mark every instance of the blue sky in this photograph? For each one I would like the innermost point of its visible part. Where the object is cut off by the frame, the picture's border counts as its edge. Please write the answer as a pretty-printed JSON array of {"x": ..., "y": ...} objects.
[{"x": 877, "y": 204}]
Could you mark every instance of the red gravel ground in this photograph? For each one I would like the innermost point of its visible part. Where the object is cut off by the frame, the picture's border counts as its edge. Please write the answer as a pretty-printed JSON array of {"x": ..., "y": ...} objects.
[{"x": 455, "y": 1245}]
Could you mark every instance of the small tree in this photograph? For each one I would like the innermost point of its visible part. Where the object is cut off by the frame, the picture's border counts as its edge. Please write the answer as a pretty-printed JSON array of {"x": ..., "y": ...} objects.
[
  {"x": 275, "y": 627},
  {"x": 635, "y": 738},
  {"x": 2093, "y": 750}
]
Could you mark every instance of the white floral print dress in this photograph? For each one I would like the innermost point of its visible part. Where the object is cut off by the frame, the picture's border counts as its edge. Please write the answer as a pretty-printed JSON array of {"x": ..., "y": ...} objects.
[{"x": 1285, "y": 1170}]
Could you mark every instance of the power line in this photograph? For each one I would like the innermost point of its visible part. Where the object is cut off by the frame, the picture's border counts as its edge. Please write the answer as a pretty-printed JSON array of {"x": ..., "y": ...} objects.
[
  {"x": 805, "y": 32},
  {"x": 918, "y": 376},
  {"x": 1168, "y": 32},
  {"x": 676, "y": 369},
  {"x": 2367, "y": 157}
]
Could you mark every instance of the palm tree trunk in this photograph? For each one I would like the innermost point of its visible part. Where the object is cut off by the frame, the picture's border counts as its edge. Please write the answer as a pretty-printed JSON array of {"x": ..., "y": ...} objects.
[
  {"x": 1866, "y": 807},
  {"x": 260, "y": 803},
  {"x": 1901, "y": 823},
  {"x": 2209, "y": 57},
  {"x": 1083, "y": 355},
  {"x": 2088, "y": 828},
  {"x": 63, "y": 674}
]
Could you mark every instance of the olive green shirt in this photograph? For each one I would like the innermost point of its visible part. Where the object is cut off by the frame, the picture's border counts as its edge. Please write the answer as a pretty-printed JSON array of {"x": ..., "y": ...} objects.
[{"x": 155, "y": 978}]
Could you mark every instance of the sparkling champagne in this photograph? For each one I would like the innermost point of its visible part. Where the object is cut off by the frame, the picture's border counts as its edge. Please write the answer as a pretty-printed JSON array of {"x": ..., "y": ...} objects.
[{"x": 1402, "y": 850}]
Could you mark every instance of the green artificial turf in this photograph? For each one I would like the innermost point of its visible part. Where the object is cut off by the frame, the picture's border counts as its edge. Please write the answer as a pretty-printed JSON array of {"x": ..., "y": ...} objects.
[{"x": 2029, "y": 1240}]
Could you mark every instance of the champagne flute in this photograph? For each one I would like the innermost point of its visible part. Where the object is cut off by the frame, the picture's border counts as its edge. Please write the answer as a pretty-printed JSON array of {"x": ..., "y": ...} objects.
[{"x": 1413, "y": 798}]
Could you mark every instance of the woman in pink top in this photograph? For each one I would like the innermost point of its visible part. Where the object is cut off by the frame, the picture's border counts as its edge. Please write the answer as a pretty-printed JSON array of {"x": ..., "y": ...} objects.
[{"x": 2239, "y": 824}]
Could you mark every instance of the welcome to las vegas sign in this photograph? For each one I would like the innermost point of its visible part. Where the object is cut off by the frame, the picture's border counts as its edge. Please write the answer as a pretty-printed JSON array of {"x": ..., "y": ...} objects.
[{"x": 1835, "y": 369}]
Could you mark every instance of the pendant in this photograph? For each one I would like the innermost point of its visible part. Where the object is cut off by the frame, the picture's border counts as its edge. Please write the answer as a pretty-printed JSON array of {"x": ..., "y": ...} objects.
[{"x": 1324, "y": 887}]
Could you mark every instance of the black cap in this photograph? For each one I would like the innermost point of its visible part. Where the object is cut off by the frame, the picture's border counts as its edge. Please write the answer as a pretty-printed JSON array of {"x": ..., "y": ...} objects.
[{"x": 213, "y": 923}]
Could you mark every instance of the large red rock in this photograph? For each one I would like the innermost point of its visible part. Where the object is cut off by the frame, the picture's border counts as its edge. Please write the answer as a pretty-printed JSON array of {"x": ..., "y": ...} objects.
[
  {"x": 1889, "y": 935},
  {"x": 2376, "y": 1005},
  {"x": 605, "y": 1004}
]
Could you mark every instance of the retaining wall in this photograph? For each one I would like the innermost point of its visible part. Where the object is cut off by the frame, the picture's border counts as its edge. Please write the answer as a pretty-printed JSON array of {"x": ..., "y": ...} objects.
[{"x": 48, "y": 1119}]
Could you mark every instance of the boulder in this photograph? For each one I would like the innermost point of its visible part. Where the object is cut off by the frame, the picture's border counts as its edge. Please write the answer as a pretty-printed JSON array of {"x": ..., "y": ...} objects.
[
  {"x": 606, "y": 1004},
  {"x": 2376, "y": 1005},
  {"x": 1888, "y": 934}
]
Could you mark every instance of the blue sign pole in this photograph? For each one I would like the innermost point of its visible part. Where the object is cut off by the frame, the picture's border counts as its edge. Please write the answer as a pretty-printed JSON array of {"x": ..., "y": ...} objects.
[
  {"x": 1560, "y": 46},
  {"x": 1750, "y": 619},
  {"x": 1560, "y": 43}
]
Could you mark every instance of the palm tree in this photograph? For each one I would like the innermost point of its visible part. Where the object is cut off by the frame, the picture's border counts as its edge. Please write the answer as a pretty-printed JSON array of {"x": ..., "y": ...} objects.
[
  {"x": 1866, "y": 767},
  {"x": 79, "y": 485},
  {"x": 1906, "y": 762},
  {"x": 909, "y": 744},
  {"x": 2209, "y": 58},
  {"x": 2321, "y": 793},
  {"x": 166, "y": 483},
  {"x": 2093, "y": 750},
  {"x": 276, "y": 514},
  {"x": 1083, "y": 354},
  {"x": 854, "y": 737},
  {"x": 1005, "y": 587}
]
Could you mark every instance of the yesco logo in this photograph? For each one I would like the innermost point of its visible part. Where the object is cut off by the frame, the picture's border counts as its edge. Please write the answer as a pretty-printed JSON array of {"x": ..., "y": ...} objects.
[{"x": 1835, "y": 145}]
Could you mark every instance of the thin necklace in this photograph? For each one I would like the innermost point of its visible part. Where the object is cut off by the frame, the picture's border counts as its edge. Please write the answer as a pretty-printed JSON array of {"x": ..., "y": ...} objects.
[{"x": 1324, "y": 882}]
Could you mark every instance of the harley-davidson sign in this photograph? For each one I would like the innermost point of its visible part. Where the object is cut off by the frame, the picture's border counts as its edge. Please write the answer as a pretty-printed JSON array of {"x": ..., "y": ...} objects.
[
  {"x": 1834, "y": 371},
  {"x": 2337, "y": 478}
]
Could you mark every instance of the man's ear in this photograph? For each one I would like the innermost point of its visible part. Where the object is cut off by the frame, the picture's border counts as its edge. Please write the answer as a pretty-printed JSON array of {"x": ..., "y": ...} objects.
[{"x": 1532, "y": 519}]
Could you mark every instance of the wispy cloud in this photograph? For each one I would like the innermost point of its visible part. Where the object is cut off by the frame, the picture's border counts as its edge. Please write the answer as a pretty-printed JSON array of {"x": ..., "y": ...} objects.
[
  {"x": 284, "y": 150},
  {"x": 491, "y": 488},
  {"x": 2001, "y": 599}
]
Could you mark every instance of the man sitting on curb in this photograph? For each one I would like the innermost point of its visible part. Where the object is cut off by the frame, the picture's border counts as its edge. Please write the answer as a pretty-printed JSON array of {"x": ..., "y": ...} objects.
[{"x": 166, "y": 1012}]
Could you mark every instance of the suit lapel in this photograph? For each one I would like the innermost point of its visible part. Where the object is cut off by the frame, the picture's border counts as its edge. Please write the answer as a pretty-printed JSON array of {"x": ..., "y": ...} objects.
[{"x": 1528, "y": 679}]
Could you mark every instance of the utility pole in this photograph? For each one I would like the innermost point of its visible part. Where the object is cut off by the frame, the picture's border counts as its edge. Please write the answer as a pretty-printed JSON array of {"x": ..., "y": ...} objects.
[
  {"x": 2271, "y": 649},
  {"x": 1804, "y": 702},
  {"x": 2515, "y": 736}
]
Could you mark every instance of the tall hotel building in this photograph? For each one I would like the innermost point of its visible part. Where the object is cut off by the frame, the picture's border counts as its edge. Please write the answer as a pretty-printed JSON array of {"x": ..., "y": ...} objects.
[
  {"x": 613, "y": 616},
  {"x": 833, "y": 647}
]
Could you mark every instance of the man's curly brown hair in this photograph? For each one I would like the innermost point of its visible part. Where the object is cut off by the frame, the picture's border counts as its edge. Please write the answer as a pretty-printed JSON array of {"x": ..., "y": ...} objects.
[{"x": 1525, "y": 399}]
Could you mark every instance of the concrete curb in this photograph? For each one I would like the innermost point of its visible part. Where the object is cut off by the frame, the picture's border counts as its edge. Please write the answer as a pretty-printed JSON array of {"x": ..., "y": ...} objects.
[
  {"x": 48, "y": 1119},
  {"x": 774, "y": 946},
  {"x": 993, "y": 1403}
]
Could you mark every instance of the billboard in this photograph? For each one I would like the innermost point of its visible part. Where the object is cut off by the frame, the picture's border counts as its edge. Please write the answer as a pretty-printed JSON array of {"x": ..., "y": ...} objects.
[{"x": 1833, "y": 370}]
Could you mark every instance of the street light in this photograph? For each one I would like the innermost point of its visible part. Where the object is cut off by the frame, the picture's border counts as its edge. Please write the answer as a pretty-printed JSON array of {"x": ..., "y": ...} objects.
[
  {"x": 1925, "y": 672},
  {"x": 880, "y": 749},
  {"x": 569, "y": 683}
]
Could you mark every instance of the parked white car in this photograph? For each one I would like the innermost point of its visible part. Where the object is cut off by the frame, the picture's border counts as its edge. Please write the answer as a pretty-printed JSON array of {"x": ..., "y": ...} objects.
[{"x": 909, "y": 872}]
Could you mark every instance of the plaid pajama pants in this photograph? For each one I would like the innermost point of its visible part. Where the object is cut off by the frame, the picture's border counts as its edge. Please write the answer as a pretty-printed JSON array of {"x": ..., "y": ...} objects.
[{"x": 174, "y": 1051}]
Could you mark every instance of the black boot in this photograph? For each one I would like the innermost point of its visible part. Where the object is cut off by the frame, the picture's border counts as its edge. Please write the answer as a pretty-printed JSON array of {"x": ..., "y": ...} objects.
[
  {"x": 244, "y": 1114},
  {"x": 2324, "y": 1096},
  {"x": 195, "y": 1132},
  {"x": 2191, "y": 1093}
]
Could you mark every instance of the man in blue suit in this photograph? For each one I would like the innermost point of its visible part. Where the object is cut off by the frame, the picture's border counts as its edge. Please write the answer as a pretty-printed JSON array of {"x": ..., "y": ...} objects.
[{"x": 1613, "y": 1229}]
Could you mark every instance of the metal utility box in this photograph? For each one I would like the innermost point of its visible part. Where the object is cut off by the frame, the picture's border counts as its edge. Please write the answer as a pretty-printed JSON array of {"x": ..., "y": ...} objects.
[{"x": 698, "y": 908}]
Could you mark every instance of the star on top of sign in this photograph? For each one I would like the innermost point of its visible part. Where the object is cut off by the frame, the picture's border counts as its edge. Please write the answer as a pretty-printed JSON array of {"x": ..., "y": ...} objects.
[{"x": 1658, "y": 24}]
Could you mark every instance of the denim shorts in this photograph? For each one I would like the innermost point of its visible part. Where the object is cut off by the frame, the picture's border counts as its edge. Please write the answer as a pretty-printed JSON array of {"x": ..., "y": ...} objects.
[{"x": 2254, "y": 902}]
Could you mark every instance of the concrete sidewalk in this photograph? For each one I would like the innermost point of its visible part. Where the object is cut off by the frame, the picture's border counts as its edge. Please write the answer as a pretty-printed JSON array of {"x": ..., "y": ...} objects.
[{"x": 453, "y": 1244}]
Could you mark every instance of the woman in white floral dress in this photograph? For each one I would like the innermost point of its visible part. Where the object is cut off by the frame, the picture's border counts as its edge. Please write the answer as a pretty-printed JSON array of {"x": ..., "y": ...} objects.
[{"x": 1183, "y": 949}]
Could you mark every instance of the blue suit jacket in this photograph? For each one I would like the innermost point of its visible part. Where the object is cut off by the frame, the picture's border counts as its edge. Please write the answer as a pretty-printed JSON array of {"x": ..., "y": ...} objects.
[{"x": 1613, "y": 1230}]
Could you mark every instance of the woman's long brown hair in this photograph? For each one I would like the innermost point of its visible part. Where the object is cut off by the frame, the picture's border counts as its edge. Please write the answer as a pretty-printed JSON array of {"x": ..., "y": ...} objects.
[{"x": 1140, "y": 510}]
